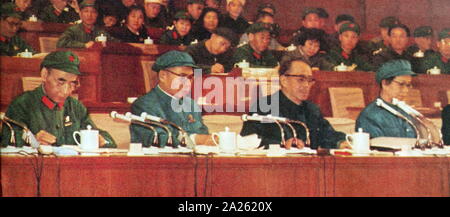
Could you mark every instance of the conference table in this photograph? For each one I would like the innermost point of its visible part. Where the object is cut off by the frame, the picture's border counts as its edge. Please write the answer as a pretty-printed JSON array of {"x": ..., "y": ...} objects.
[{"x": 189, "y": 175}]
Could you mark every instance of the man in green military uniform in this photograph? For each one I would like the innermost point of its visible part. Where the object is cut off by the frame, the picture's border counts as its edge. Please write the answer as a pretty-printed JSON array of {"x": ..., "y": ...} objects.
[
  {"x": 49, "y": 111},
  {"x": 296, "y": 82},
  {"x": 83, "y": 35},
  {"x": 311, "y": 20},
  {"x": 170, "y": 100},
  {"x": 256, "y": 52},
  {"x": 346, "y": 53},
  {"x": 10, "y": 43},
  {"x": 181, "y": 33},
  {"x": 233, "y": 18},
  {"x": 215, "y": 55},
  {"x": 380, "y": 43},
  {"x": 440, "y": 59},
  {"x": 398, "y": 42},
  {"x": 394, "y": 78},
  {"x": 60, "y": 11},
  {"x": 423, "y": 38}
]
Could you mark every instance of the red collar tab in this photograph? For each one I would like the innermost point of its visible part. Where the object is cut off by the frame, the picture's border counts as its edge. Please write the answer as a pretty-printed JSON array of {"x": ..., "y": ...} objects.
[
  {"x": 3, "y": 39},
  {"x": 87, "y": 30},
  {"x": 345, "y": 55},
  {"x": 50, "y": 104},
  {"x": 445, "y": 60},
  {"x": 174, "y": 35},
  {"x": 257, "y": 55},
  {"x": 56, "y": 12}
]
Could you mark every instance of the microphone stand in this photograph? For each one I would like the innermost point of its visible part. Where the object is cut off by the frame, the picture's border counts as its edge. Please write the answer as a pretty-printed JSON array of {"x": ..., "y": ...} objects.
[
  {"x": 161, "y": 123},
  {"x": 114, "y": 114},
  {"x": 283, "y": 141},
  {"x": 308, "y": 140},
  {"x": 141, "y": 119},
  {"x": 380, "y": 103}
]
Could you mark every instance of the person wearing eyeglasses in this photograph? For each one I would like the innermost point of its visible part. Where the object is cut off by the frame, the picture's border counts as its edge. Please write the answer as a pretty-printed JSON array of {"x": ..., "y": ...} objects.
[
  {"x": 296, "y": 81},
  {"x": 440, "y": 59},
  {"x": 11, "y": 44},
  {"x": 49, "y": 111},
  {"x": 394, "y": 78},
  {"x": 170, "y": 100}
]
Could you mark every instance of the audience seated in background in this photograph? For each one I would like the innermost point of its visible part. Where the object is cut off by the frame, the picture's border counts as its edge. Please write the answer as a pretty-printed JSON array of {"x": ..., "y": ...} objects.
[
  {"x": 25, "y": 9},
  {"x": 256, "y": 51},
  {"x": 233, "y": 18},
  {"x": 307, "y": 49},
  {"x": 346, "y": 53},
  {"x": 398, "y": 43},
  {"x": 215, "y": 54},
  {"x": 206, "y": 24},
  {"x": 310, "y": 20},
  {"x": 213, "y": 4},
  {"x": 153, "y": 16},
  {"x": 195, "y": 8},
  {"x": 381, "y": 42},
  {"x": 267, "y": 18},
  {"x": 83, "y": 35},
  {"x": 423, "y": 38},
  {"x": 133, "y": 30},
  {"x": 181, "y": 33},
  {"x": 440, "y": 59},
  {"x": 60, "y": 11},
  {"x": 10, "y": 43}
]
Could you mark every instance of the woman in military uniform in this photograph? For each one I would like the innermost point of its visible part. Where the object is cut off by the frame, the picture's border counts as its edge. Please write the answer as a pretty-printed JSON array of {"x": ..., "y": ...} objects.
[{"x": 133, "y": 31}]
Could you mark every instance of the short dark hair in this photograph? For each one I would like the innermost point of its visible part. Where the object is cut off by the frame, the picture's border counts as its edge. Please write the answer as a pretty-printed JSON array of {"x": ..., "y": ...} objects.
[
  {"x": 310, "y": 34},
  {"x": 286, "y": 65},
  {"x": 262, "y": 14},
  {"x": 203, "y": 14},
  {"x": 399, "y": 25}
]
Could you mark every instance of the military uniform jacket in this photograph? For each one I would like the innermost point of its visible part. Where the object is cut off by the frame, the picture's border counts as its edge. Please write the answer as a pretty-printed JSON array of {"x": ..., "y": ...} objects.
[
  {"x": 157, "y": 22},
  {"x": 314, "y": 61},
  {"x": 435, "y": 59},
  {"x": 77, "y": 36},
  {"x": 388, "y": 54},
  {"x": 239, "y": 26},
  {"x": 379, "y": 122},
  {"x": 322, "y": 133},
  {"x": 125, "y": 35},
  {"x": 263, "y": 60},
  {"x": 38, "y": 112},
  {"x": 158, "y": 103},
  {"x": 67, "y": 15},
  {"x": 13, "y": 46},
  {"x": 376, "y": 45},
  {"x": 417, "y": 61},
  {"x": 204, "y": 59},
  {"x": 337, "y": 56},
  {"x": 171, "y": 37}
]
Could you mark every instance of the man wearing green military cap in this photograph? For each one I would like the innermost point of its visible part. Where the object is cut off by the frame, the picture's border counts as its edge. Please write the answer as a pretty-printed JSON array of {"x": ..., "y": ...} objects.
[
  {"x": 175, "y": 75},
  {"x": 440, "y": 59},
  {"x": 423, "y": 37},
  {"x": 346, "y": 53},
  {"x": 83, "y": 35},
  {"x": 398, "y": 42},
  {"x": 215, "y": 54},
  {"x": 256, "y": 52},
  {"x": 181, "y": 33},
  {"x": 380, "y": 43},
  {"x": 60, "y": 11},
  {"x": 49, "y": 111},
  {"x": 311, "y": 20},
  {"x": 394, "y": 78},
  {"x": 10, "y": 43}
]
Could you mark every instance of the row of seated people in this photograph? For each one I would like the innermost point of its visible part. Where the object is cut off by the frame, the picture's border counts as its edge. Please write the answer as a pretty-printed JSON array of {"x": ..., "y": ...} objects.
[
  {"x": 258, "y": 44},
  {"x": 53, "y": 115}
]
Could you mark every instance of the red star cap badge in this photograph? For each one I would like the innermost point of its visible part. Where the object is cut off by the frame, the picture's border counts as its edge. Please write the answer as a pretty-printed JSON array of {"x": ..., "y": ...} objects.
[{"x": 71, "y": 58}]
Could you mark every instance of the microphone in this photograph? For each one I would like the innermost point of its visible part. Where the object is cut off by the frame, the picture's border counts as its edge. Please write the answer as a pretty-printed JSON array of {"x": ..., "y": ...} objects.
[
  {"x": 380, "y": 103},
  {"x": 142, "y": 119},
  {"x": 116, "y": 115},
  {"x": 265, "y": 119},
  {"x": 271, "y": 119},
  {"x": 420, "y": 118},
  {"x": 184, "y": 134},
  {"x": 27, "y": 136}
]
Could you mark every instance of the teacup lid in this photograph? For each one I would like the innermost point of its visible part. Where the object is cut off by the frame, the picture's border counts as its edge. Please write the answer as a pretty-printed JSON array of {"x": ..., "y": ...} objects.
[
  {"x": 89, "y": 127},
  {"x": 227, "y": 129},
  {"x": 360, "y": 130}
]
